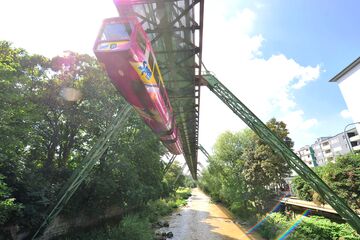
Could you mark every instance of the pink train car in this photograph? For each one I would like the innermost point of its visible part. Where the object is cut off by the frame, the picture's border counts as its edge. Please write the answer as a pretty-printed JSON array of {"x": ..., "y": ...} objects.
[{"x": 124, "y": 50}]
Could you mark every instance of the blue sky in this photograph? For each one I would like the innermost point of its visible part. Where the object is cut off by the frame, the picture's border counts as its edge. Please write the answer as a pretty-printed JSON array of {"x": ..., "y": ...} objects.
[
  {"x": 276, "y": 56},
  {"x": 315, "y": 32},
  {"x": 312, "y": 33}
]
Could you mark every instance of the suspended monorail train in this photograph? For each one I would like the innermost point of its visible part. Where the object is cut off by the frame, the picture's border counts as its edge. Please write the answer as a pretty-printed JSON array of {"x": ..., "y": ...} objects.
[{"x": 124, "y": 50}]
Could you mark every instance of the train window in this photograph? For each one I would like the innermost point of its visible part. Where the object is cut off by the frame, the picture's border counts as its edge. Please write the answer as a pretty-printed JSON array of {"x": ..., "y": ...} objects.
[
  {"x": 141, "y": 41},
  {"x": 115, "y": 32}
]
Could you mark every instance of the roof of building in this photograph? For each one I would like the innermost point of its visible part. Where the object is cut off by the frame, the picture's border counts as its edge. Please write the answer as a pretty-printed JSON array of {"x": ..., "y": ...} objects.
[{"x": 345, "y": 70}]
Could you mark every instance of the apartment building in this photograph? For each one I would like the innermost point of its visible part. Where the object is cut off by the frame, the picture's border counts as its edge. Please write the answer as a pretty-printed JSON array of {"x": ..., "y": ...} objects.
[
  {"x": 307, "y": 154},
  {"x": 353, "y": 139},
  {"x": 326, "y": 149},
  {"x": 348, "y": 81}
]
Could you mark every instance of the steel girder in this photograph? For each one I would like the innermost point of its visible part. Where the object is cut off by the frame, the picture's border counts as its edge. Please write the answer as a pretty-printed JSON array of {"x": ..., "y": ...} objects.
[
  {"x": 175, "y": 30},
  {"x": 86, "y": 165},
  {"x": 282, "y": 149}
]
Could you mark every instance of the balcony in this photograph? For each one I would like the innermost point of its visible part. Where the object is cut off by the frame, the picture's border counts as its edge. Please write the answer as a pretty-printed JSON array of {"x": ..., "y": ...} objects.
[
  {"x": 326, "y": 147},
  {"x": 355, "y": 138},
  {"x": 356, "y": 148},
  {"x": 328, "y": 155}
]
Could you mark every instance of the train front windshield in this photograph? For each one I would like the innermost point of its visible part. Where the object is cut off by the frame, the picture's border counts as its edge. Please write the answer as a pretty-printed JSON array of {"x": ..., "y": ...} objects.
[{"x": 115, "y": 32}]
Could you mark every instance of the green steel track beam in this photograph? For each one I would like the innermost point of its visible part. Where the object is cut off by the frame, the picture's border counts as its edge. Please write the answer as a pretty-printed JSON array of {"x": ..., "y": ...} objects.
[
  {"x": 202, "y": 149},
  {"x": 172, "y": 26},
  {"x": 179, "y": 174},
  {"x": 280, "y": 148},
  {"x": 86, "y": 165},
  {"x": 168, "y": 165}
]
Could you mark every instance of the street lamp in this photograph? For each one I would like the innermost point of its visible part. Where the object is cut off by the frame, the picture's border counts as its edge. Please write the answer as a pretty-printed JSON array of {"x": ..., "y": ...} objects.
[{"x": 346, "y": 136}]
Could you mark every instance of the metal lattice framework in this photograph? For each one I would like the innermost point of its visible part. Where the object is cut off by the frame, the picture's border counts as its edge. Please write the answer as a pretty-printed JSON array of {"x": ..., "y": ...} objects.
[
  {"x": 282, "y": 149},
  {"x": 203, "y": 150},
  {"x": 86, "y": 166},
  {"x": 168, "y": 165},
  {"x": 175, "y": 30}
]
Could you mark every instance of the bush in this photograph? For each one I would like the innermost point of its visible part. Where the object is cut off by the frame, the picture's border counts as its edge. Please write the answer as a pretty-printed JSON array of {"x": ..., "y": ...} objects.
[
  {"x": 313, "y": 227},
  {"x": 8, "y": 207},
  {"x": 343, "y": 177},
  {"x": 183, "y": 193},
  {"x": 320, "y": 228},
  {"x": 273, "y": 226},
  {"x": 155, "y": 209},
  {"x": 132, "y": 227}
]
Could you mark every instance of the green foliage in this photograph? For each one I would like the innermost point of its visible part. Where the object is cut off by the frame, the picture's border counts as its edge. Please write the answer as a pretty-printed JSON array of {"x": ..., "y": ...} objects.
[
  {"x": 183, "y": 193},
  {"x": 161, "y": 207},
  {"x": 173, "y": 179},
  {"x": 302, "y": 189},
  {"x": 274, "y": 225},
  {"x": 8, "y": 207},
  {"x": 343, "y": 177},
  {"x": 321, "y": 228},
  {"x": 156, "y": 209},
  {"x": 46, "y": 132},
  {"x": 132, "y": 227},
  {"x": 137, "y": 226},
  {"x": 313, "y": 227},
  {"x": 189, "y": 182},
  {"x": 244, "y": 172}
]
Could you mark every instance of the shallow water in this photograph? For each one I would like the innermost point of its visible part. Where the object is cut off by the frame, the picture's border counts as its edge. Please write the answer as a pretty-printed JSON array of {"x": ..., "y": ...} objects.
[{"x": 203, "y": 220}]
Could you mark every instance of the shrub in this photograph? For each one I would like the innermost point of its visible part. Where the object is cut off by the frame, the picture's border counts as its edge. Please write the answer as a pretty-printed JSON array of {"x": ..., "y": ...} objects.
[
  {"x": 314, "y": 227},
  {"x": 155, "y": 209},
  {"x": 273, "y": 226},
  {"x": 8, "y": 207},
  {"x": 132, "y": 227},
  {"x": 183, "y": 193},
  {"x": 320, "y": 228}
]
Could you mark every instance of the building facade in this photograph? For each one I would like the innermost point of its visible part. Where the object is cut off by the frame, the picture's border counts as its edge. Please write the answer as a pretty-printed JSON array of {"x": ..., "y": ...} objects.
[
  {"x": 326, "y": 149},
  {"x": 348, "y": 81},
  {"x": 307, "y": 154}
]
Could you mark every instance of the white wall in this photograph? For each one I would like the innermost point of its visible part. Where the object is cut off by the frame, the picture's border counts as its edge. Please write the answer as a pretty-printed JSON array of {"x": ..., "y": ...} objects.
[{"x": 350, "y": 88}]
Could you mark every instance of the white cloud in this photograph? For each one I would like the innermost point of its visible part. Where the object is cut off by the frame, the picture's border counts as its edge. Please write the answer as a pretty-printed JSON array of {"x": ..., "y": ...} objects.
[
  {"x": 265, "y": 85},
  {"x": 345, "y": 114}
]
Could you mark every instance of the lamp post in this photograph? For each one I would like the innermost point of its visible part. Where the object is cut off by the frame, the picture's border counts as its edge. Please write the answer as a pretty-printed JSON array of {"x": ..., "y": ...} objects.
[{"x": 346, "y": 136}]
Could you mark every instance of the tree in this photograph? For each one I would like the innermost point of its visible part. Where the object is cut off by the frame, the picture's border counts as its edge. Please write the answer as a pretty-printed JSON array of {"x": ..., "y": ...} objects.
[
  {"x": 51, "y": 114},
  {"x": 244, "y": 171},
  {"x": 264, "y": 166},
  {"x": 342, "y": 176}
]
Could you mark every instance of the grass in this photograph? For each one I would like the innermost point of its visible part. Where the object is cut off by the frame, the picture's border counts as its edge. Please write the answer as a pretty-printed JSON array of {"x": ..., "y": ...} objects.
[
  {"x": 131, "y": 227},
  {"x": 137, "y": 226}
]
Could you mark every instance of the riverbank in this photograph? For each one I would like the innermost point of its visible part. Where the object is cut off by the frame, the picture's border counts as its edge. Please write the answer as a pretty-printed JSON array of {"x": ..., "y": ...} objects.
[
  {"x": 136, "y": 225},
  {"x": 203, "y": 220}
]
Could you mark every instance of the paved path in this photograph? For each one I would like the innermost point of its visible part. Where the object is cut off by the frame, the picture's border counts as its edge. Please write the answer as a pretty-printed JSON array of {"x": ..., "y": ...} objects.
[{"x": 203, "y": 220}]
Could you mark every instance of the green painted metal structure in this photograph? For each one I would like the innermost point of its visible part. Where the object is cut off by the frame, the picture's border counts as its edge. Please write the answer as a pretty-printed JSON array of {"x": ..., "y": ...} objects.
[
  {"x": 280, "y": 148},
  {"x": 86, "y": 165},
  {"x": 203, "y": 150},
  {"x": 175, "y": 30},
  {"x": 168, "y": 165}
]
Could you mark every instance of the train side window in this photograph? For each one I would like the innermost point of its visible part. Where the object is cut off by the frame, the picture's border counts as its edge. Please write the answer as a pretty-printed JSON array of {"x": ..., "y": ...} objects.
[
  {"x": 115, "y": 32},
  {"x": 141, "y": 41}
]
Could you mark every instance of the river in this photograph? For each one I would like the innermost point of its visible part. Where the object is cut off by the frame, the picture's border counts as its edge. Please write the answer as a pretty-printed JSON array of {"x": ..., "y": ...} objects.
[{"x": 203, "y": 220}]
